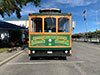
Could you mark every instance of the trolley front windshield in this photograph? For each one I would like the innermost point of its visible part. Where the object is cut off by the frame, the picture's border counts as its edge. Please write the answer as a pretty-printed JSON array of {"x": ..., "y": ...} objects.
[{"x": 50, "y": 24}]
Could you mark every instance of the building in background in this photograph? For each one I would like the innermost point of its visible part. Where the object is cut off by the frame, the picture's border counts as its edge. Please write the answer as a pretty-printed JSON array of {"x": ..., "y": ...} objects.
[
  {"x": 10, "y": 33},
  {"x": 22, "y": 23}
]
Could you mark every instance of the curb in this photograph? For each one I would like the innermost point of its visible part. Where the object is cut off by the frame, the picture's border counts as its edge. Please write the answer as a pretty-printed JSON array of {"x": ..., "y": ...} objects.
[{"x": 8, "y": 59}]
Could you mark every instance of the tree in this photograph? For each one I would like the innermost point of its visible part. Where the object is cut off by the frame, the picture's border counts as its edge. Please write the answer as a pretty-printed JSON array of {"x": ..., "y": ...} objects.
[{"x": 14, "y": 6}]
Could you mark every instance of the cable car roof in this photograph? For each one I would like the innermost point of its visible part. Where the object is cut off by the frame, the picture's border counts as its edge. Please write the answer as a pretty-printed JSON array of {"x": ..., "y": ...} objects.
[
  {"x": 50, "y": 11},
  {"x": 51, "y": 14}
]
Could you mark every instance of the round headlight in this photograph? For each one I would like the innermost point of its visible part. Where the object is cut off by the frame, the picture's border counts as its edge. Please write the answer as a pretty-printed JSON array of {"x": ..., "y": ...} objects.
[{"x": 33, "y": 52}]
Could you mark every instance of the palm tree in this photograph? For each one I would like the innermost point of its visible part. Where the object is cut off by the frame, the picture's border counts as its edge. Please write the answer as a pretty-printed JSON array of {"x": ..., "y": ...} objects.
[{"x": 14, "y": 6}]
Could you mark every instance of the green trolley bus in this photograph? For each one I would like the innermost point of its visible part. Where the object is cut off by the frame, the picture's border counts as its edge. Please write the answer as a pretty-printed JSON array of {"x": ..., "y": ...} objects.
[{"x": 50, "y": 33}]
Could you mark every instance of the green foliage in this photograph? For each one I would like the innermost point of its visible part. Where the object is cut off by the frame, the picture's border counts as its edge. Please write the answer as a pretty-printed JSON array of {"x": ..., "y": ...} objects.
[
  {"x": 10, "y": 6},
  {"x": 3, "y": 49},
  {"x": 94, "y": 34}
]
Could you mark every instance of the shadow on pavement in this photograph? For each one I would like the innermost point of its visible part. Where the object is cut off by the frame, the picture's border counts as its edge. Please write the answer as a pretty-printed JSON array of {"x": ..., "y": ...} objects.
[{"x": 49, "y": 58}]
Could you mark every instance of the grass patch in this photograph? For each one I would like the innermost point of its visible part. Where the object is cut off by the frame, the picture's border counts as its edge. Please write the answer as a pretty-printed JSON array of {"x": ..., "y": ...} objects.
[{"x": 3, "y": 49}]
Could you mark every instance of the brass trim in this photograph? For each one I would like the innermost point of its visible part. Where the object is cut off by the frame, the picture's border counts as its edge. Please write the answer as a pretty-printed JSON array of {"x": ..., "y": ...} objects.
[
  {"x": 49, "y": 46},
  {"x": 49, "y": 33}
]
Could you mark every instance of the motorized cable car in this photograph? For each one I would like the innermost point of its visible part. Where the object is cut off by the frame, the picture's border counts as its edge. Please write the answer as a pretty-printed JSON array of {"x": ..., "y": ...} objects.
[{"x": 50, "y": 33}]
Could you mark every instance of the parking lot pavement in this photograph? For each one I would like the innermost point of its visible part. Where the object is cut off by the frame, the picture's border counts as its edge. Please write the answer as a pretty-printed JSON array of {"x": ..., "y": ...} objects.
[
  {"x": 85, "y": 60},
  {"x": 5, "y": 55}
]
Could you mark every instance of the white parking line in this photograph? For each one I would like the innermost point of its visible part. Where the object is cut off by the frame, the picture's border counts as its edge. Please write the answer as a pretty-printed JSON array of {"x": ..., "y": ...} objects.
[{"x": 8, "y": 59}]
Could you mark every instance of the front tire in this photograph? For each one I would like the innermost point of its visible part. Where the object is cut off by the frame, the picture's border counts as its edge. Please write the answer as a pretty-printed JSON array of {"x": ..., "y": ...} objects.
[
  {"x": 30, "y": 58},
  {"x": 69, "y": 53}
]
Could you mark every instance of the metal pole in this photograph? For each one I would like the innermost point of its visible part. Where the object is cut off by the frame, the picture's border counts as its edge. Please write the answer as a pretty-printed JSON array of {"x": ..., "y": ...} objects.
[
  {"x": 85, "y": 24},
  {"x": 86, "y": 36},
  {"x": 96, "y": 19},
  {"x": 97, "y": 24}
]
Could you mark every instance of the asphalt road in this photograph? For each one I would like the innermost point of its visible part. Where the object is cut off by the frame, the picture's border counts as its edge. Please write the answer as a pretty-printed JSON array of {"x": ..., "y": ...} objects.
[{"x": 85, "y": 60}]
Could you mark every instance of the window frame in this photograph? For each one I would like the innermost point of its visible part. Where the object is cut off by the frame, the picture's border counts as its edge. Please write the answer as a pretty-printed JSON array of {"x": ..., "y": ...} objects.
[
  {"x": 55, "y": 23},
  {"x": 68, "y": 21},
  {"x": 30, "y": 24},
  {"x": 46, "y": 16}
]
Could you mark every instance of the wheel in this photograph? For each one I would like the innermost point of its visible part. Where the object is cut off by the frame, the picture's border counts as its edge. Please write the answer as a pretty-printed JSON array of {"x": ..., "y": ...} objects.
[
  {"x": 69, "y": 53},
  {"x": 64, "y": 58},
  {"x": 34, "y": 58},
  {"x": 31, "y": 58}
]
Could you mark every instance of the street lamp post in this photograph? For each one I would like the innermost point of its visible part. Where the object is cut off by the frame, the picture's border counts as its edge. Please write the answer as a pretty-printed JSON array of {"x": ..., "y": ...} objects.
[
  {"x": 96, "y": 20},
  {"x": 85, "y": 24},
  {"x": 96, "y": 25}
]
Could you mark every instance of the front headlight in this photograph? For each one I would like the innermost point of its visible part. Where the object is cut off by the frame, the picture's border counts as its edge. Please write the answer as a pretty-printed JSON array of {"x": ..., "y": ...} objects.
[{"x": 33, "y": 52}]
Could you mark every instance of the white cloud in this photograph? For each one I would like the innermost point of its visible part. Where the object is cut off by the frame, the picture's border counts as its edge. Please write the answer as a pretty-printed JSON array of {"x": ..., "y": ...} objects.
[
  {"x": 30, "y": 11},
  {"x": 92, "y": 12},
  {"x": 49, "y": 4},
  {"x": 77, "y": 2},
  {"x": 30, "y": 8},
  {"x": 1, "y": 18}
]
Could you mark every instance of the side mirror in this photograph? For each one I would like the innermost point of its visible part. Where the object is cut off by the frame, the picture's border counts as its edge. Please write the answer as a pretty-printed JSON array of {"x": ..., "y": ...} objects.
[{"x": 73, "y": 24}]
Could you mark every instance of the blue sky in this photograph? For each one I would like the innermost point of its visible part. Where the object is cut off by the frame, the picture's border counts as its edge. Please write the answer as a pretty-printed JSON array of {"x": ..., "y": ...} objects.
[{"x": 76, "y": 7}]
